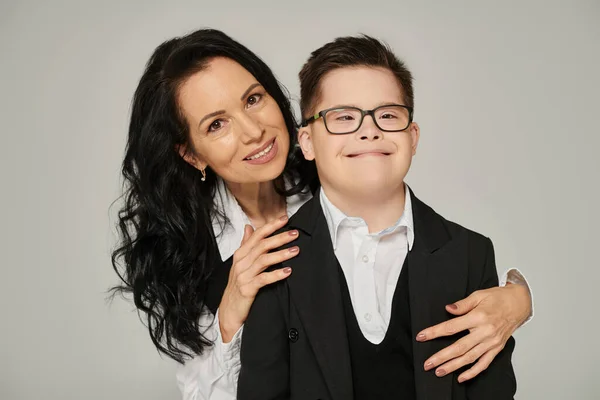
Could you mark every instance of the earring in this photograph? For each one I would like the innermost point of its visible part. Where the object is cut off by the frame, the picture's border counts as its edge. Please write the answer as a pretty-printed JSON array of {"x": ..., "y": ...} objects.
[{"x": 203, "y": 171}]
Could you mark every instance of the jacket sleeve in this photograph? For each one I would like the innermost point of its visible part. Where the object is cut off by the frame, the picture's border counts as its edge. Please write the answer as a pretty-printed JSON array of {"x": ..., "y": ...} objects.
[
  {"x": 498, "y": 381},
  {"x": 264, "y": 373}
]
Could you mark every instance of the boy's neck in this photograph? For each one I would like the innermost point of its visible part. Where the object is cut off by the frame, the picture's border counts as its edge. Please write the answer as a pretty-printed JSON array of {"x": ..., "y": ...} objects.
[{"x": 379, "y": 209}]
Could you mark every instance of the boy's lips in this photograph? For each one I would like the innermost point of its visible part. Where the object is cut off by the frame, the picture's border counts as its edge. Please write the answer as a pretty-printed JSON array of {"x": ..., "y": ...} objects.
[{"x": 378, "y": 151}]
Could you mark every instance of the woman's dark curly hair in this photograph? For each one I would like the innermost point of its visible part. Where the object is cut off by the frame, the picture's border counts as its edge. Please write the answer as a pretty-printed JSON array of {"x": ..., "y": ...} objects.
[{"x": 167, "y": 250}]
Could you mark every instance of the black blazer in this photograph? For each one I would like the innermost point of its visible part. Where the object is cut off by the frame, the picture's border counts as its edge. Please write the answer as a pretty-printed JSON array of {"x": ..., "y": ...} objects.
[{"x": 295, "y": 343}]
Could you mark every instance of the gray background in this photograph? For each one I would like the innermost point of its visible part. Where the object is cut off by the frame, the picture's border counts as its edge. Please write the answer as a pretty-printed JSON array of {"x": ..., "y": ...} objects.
[{"x": 507, "y": 100}]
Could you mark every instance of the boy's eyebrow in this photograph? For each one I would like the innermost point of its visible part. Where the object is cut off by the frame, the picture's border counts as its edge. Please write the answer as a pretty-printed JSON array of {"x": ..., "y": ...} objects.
[
  {"x": 344, "y": 106},
  {"x": 389, "y": 103},
  {"x": 383, "y": 103}
]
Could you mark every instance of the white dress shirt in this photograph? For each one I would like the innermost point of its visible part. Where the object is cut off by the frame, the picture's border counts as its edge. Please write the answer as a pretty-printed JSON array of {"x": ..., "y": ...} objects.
[
  {"x": 214, "y": 374},
  {"x": 371, "y": 263}
]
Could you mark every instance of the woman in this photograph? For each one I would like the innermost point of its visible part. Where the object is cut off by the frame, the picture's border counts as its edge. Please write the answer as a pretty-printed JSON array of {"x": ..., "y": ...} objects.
[{"x": 209, "y": 153}]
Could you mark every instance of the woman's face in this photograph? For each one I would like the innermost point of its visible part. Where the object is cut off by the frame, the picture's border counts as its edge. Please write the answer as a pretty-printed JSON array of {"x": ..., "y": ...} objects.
[{"x": 236, "y": 128}]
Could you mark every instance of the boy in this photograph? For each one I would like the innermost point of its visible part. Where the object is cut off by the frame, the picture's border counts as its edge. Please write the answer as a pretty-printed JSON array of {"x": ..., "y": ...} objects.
[{"x": 376, "y": 264}]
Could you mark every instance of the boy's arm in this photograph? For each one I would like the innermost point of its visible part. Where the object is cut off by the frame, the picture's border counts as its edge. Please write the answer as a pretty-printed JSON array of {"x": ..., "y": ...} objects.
[
  {"x": 264, "y": 373},
  {"x": 498, "y": 381}
]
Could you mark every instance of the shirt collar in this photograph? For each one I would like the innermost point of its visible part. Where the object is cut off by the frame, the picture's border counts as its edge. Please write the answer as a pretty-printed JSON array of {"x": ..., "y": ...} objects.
[
  {"x": 335, "y": 217},
  {"x": 229, "y": 235}
]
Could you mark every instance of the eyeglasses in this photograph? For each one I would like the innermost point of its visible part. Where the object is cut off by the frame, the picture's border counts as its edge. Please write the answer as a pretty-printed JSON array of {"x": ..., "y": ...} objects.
[{"x": 345, "y": 120}]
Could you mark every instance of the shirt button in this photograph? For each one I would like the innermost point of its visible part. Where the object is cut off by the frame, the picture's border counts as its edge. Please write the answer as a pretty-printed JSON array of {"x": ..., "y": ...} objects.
[
  {"x": 368, "y": 317},
  {"x": 365, "y": 259}
]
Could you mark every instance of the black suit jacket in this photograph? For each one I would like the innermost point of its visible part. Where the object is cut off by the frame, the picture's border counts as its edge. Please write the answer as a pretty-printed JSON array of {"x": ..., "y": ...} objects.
[{"x": 295, "y": 343}]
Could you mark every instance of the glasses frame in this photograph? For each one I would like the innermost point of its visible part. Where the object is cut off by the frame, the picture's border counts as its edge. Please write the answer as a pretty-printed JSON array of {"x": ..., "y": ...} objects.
[{"x": 363, "y": 113}]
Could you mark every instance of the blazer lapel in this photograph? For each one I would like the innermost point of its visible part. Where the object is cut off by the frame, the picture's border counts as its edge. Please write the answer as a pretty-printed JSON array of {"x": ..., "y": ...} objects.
[{"x": 316, "y": 295}]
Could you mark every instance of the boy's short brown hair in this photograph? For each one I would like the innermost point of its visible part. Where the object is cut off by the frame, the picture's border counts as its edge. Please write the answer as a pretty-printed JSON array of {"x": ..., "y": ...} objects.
[{"x": 350, "y": 51}]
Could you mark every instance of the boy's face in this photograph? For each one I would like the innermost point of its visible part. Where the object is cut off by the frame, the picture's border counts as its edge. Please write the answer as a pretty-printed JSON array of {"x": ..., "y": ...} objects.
[{"x": 369, "y": 160}]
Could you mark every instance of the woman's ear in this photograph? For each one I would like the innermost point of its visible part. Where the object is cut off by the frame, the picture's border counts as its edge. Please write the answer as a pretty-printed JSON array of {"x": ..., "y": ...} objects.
[{"x": 190, "y": 158}]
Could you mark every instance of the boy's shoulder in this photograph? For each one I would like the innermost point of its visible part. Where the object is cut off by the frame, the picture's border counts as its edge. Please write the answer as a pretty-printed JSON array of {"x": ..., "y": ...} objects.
[
  {"x": 454, "y": 228},
  {"x": 477, "y": 247},
  {"x": 303, "y": 221},
  {"x": 307, "y": 214},
  {"x": 310, "y": 212}
]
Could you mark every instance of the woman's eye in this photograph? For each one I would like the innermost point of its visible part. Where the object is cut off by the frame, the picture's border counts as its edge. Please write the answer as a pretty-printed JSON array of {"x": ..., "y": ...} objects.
[
  {"x": 215, "y": 125},
  {"x": 254, "y": 99},
  {"x": 388, "y": 116}
]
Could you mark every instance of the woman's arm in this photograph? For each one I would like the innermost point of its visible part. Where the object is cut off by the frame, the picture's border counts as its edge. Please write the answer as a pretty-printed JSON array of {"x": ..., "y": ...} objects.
[
  {"x": 498, "y": 381},
  {"x": 213, "y": 374},
  {"x": 491, "y": 316}
]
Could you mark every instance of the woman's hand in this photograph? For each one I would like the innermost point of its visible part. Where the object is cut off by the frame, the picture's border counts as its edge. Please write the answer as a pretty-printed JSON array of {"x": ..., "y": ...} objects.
[
  {"x": 246, "y": 277},
  {"x": 491, "y": 316}
]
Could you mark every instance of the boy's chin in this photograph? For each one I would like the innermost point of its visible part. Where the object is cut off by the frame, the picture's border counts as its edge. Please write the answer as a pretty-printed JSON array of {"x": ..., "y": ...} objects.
[{"x": 374, "y": 186}]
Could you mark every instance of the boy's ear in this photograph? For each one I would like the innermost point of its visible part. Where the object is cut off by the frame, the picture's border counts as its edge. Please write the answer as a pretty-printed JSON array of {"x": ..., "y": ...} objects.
[
  {"x": 190, "y": 158},
  {"x": 306, "y": 144},
  {"x": 415, "y": 134}
]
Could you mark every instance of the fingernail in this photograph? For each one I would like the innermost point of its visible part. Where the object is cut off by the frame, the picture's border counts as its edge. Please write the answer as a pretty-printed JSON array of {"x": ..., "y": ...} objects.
[
  {"x": 294, "y": 249},
  {"x": 287, "y": 270},
  {"x": 440, "y": 372},
  {"x": 461, "y": 379},
  {"x": 421, "y": 337},
  {"x": 453, "y": 306},
  {"x": 283, "y": 218},
  {"x": 428, "y": 365},
  {"x": 293, "y": 233}
]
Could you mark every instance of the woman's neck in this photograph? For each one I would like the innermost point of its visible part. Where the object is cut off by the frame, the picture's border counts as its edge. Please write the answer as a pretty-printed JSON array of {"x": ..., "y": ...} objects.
[{"x": 259, "y": 201}]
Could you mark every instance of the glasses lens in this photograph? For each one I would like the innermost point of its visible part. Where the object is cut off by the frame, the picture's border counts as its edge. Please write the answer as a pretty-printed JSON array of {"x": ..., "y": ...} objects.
[
  {"x": 392, "y": 118},
  {"x": 342, "y": 120}
]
